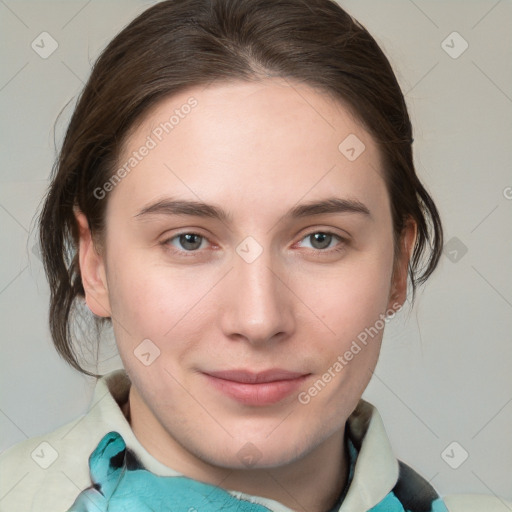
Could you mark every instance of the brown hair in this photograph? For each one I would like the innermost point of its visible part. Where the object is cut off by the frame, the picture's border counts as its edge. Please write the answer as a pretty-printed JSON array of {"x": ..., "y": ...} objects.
[{"x": 177, "y": 44}]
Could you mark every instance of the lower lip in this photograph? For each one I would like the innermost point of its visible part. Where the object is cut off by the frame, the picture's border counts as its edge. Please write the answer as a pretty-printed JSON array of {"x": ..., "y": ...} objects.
[{"x": 263, "y": 393}]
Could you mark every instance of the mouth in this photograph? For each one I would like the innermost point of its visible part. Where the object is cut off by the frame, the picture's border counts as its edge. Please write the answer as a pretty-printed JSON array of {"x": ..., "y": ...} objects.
[{"x": 256, "y": 389}]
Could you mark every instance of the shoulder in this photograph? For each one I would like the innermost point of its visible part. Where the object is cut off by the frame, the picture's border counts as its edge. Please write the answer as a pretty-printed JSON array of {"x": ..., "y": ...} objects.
[
  {"x": 415, "y": 493},
  {"x": 476, "y": 503},
  {"x": 45, "y": 471},
  {"x": 383, "y": 471}
]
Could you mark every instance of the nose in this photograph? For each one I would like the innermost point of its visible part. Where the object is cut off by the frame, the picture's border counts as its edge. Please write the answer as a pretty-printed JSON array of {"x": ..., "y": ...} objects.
[{"x": 259, "y": 305}]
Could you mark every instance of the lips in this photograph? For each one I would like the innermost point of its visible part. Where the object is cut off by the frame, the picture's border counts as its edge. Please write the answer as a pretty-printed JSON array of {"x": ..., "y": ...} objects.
[
  {"x": 256, "y": 378},
  {"x": 261, "y": 388}
]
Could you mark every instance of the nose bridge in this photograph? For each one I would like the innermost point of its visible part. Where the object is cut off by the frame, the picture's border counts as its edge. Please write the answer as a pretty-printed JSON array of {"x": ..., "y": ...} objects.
[{"x": 260, "y": 305}]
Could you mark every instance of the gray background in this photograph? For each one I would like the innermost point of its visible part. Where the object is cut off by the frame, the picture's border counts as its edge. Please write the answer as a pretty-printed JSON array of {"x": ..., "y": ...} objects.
[{"x": 444, "y": 374}]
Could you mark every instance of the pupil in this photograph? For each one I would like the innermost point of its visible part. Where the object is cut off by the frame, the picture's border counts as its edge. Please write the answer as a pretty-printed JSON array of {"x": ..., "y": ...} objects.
[
  {"x": 321, "y": 240},
  {"x": 190, "y": 241}
]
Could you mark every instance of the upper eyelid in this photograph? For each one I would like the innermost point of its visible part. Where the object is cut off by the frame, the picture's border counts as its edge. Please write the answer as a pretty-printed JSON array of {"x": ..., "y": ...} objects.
[
  {"x": 340, "y": 238},
  {"x": 169, "y": 238},
  {"x": 323, "y": 232},
  {"x": 330, "y": 231},
  {"x": 309, "y": 233}
]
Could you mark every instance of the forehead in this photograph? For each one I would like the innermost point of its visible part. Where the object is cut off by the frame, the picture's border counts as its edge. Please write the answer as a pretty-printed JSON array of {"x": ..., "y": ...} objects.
[{"x": 244, "y": 141}]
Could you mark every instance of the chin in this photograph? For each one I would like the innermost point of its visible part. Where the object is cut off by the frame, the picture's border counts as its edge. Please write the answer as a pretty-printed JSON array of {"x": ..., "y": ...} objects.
[
  {"x": 257, "y": 452},
  {"x": 250, "y": 456}
]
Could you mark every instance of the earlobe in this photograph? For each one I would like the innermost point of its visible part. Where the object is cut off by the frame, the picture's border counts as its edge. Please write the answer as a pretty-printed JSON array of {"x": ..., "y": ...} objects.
[
  {"x": 92, "y": 270},
  {"x": 399, "y": 281}
]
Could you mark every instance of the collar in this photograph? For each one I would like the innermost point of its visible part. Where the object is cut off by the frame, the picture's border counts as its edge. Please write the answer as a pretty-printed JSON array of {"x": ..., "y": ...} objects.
[{"x": 375, "y": 472}]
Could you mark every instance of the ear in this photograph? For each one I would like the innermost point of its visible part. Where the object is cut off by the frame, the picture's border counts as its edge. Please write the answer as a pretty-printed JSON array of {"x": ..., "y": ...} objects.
[
  {"x": 92, "y": 270},
  {"x": 398, "y": 292}
]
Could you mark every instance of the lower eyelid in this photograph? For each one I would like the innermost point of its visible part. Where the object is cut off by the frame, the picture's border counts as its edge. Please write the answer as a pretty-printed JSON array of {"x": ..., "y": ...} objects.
[{"x": 168, "y": 242}]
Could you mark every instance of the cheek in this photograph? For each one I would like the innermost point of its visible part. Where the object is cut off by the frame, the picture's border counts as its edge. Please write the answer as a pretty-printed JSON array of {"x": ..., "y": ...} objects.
[
  {"x": 352, "y": 297},
  {"x": 161, "y": 303},
  {"x": 152, "y": 301},
  {"x": 137, "y": 299},
  {"x": 351, "y": 305}
]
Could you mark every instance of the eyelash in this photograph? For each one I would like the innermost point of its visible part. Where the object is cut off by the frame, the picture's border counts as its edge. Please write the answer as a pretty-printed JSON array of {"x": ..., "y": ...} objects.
[{"x": 341, "y": 246}]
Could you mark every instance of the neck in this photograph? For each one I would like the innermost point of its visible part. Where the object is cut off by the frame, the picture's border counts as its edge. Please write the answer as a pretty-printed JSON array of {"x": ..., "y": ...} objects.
[{"x": 313, "y": 483}]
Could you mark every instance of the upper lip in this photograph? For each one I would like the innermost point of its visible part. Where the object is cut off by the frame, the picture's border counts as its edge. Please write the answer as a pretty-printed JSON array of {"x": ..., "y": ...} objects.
[{"x": 274, "y": 374}]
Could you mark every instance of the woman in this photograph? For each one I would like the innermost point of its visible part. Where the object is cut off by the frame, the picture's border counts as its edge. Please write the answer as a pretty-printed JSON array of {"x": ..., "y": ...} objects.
[{"x": 236, "y": 194}]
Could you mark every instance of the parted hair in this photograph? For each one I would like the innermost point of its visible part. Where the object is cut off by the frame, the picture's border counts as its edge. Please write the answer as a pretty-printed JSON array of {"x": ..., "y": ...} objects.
[{"x": 179, "y": 44}]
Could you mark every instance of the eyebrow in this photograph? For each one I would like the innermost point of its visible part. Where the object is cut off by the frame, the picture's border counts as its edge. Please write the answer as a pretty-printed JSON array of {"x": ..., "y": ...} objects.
[{"x": 169, "y": 206}]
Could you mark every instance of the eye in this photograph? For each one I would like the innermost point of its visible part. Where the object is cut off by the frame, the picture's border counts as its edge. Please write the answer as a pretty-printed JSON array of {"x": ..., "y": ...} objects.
[
  {"x": 188, "y": 242},
  {"x": 322, "y": 240}
]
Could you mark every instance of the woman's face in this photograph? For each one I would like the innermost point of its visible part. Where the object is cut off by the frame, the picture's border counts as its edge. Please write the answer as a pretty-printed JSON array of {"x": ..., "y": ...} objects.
[{"x": 248, "y": 270}]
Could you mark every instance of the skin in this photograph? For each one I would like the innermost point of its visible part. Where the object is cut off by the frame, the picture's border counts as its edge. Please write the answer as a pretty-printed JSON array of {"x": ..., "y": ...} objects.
[{"x": 257, "y": 150}]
